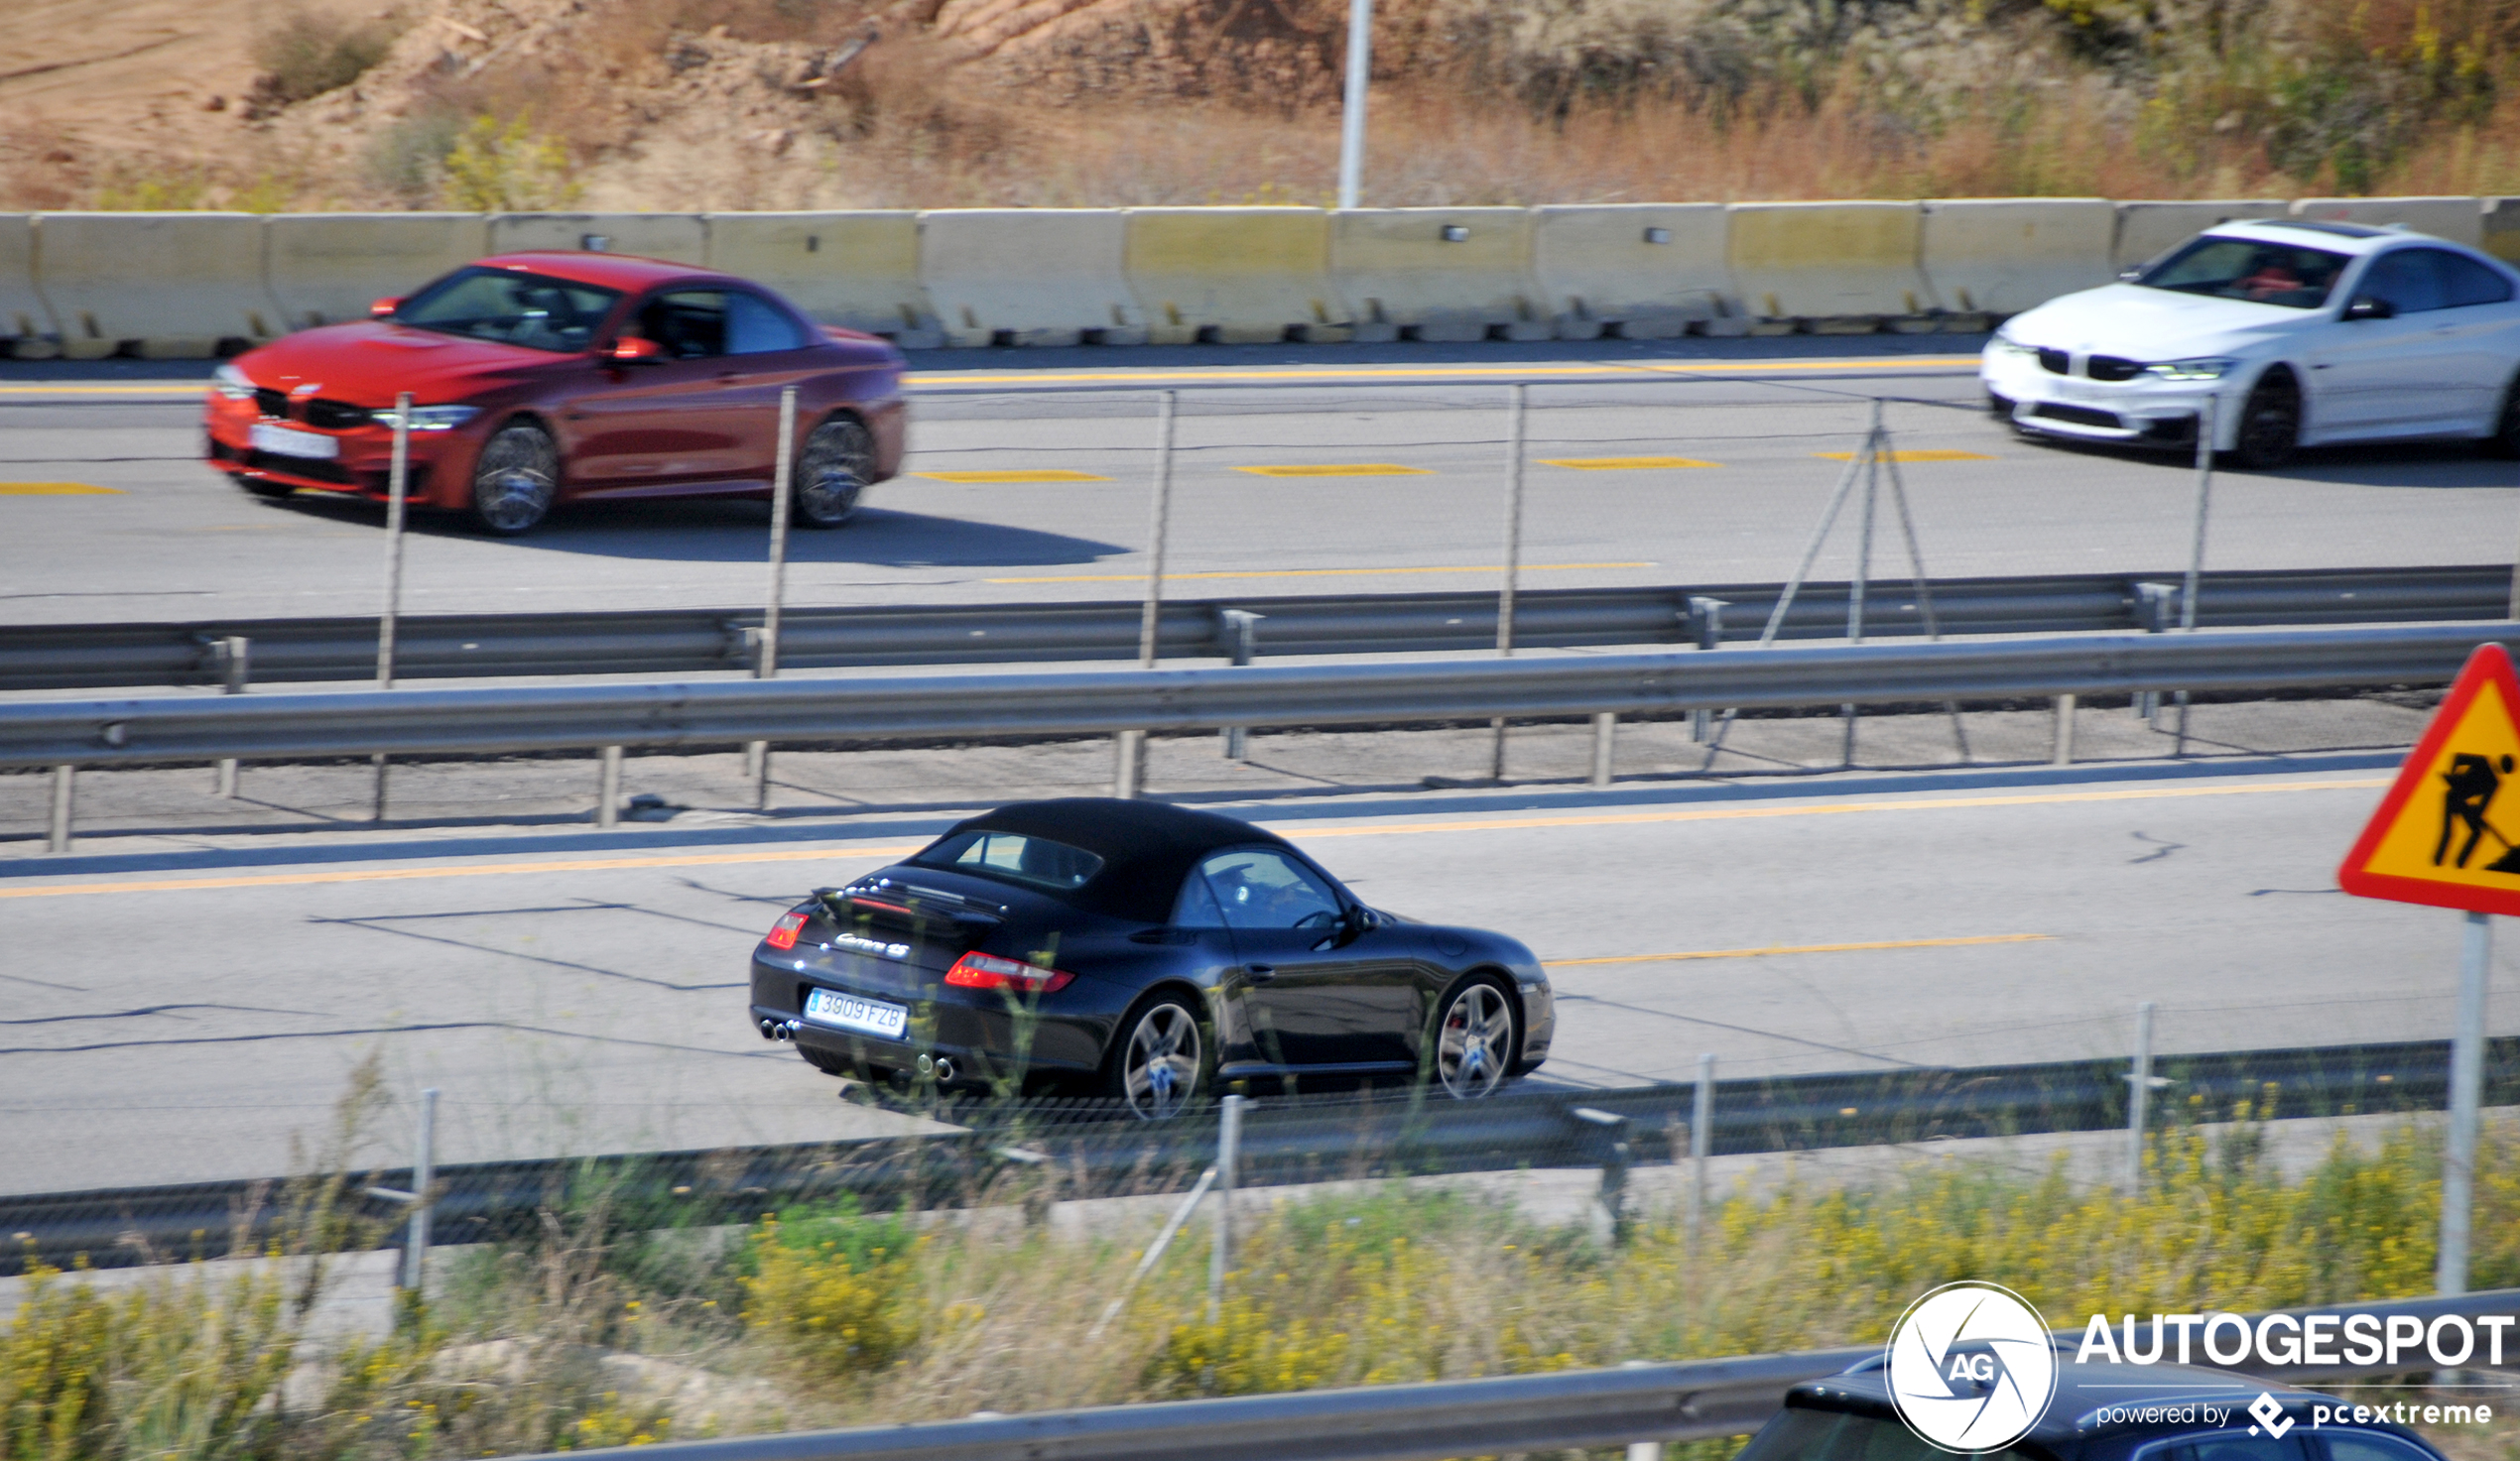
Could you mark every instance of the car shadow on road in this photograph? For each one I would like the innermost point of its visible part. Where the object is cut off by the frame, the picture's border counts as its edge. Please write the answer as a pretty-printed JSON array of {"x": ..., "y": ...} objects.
[{"x": 735, "y": 531}]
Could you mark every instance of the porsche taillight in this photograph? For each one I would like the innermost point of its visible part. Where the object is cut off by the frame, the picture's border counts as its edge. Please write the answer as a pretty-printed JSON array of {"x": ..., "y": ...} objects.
[
  {"x": 783, "y": 934},
  {"x": 988, "y": 971}
]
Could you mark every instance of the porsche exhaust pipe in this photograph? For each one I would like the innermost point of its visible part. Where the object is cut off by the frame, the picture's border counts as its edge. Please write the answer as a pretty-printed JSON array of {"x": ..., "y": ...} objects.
[{"x": 944, "y": 1072}]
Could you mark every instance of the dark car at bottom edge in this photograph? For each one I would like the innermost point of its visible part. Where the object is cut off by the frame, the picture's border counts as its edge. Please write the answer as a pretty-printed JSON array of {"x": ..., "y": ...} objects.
[
  {"x": 2100, "y": 1413},
  {"x": 1142, "y": 952}
]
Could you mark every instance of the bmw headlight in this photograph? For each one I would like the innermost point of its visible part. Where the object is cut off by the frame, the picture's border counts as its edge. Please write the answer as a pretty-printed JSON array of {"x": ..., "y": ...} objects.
[
  {"x": 231, "y": 383},
  {"x": 2002, "y": 344},
  {"x": 2212, "y": 367},
  {"x": 431, "y": 418}
]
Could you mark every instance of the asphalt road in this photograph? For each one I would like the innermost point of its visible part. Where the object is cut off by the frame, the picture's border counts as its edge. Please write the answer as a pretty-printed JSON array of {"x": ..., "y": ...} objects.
[
  {"x": 163, "y": 1025},
  {"x": 168, "y": 538}
]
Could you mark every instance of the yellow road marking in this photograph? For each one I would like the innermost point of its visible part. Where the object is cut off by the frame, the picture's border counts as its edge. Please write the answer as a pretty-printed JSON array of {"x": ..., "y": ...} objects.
[
  {"x": 1296, "y": 833},
  {"x": 1625, "y": 464},
  {"x": 1354, "y": 469},
  {"x": 1803, "y": 948},
  {"x": 1936, "y": 453},
  {"x": 1313, "y": 572},
  {"x": 1047, "y": 475},
  {"x": 56, "y": 489},
  {"x": 1325, "y": 373}
]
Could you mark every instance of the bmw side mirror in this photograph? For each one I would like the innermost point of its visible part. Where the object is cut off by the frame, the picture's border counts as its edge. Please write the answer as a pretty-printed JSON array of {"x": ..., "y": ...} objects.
[
  {"x": 2372, "y": 307},
  {"x": 634, "y": 351},
  {"x": 384, "y": 308}
]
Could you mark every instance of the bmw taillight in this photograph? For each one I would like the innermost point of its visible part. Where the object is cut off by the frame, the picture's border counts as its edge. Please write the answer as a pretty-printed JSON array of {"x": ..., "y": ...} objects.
[
  {"x": 783, "y": 934},
  {"x": 988, "y": 971}
]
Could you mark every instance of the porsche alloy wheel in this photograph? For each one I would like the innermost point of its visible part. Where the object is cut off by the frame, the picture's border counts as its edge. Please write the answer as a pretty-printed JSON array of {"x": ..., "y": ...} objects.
[
  {"x": 1160, "y": 1066},
  {"x": 831, "y": 472},
  {"x": 2270, "y": 425},
  {"x": 1474, "y": 1043},
  {"x": 515, "y": 480}
]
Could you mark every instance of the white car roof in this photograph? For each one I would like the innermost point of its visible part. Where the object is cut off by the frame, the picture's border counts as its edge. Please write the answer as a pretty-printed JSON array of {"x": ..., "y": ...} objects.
[{"x": 2352, "y": 239}]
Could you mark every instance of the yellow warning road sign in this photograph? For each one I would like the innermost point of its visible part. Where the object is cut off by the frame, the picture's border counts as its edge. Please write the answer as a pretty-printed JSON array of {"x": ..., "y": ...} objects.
[{"x": 2445, "y": 833}]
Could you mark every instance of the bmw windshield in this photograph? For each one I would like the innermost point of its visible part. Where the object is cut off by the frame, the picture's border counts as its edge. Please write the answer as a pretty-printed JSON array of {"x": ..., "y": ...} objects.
[
  {"x": 511, "y": 307},
  {"x": 2248, "y": 269}
]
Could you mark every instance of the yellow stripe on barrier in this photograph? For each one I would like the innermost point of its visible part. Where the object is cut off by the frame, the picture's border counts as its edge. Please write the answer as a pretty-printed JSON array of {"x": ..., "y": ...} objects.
[
  {"x": 1625, "y": 464},
  {"x": 56, "y": 489},
  {"x": 1349, "y": 469},
  {"x": 1044, "y": 475}
]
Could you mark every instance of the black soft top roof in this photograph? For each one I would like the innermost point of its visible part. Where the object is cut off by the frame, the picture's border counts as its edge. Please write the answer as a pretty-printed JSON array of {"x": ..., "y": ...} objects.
[{"x": 1147, "y": 847}]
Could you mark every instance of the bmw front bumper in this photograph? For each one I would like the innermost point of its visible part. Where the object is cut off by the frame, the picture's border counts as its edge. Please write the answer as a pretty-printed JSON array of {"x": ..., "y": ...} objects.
[{"x": 2145, "y": 411}]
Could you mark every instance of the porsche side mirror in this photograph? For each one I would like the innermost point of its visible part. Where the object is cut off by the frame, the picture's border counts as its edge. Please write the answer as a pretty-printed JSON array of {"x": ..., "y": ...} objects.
[
  {"x": 2370, "y": 306},
  {"x": 634, "y": 350},
  {"x": 384, "y": 308}
]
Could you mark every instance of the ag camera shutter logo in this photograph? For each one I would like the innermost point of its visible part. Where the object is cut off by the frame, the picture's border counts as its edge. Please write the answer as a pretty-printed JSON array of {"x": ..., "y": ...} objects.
[{"x": 1972, "y": 1368}]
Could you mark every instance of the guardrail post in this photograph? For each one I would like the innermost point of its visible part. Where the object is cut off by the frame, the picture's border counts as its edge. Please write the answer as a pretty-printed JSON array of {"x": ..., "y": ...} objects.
[
  {"x": 397, "y": 485},
  {"x": 1242, "y": 641},
  {"x": 2466, "y": 1093},
  {"x": 783, "y": 490},
  {"x": 2140, "y": 1091},
  {"x": 1701, "y": 1145},
  {"x": 1605, "y": 730},
  {"x": 1609, "y": 1205},
  {"x": 1228, "y": 1157},
  {"x": 231, "y": 654},
  {"x": 2061, "y": 753},
  {"x": 2156, "y": 609},
  {"x": 424, "y": 1175},
  {"x": 609, "y": 789},
  {"x": 1513, "y": 553},
  {"x": 1706, "y": 629},
  {"x": 64, "y": 780}
]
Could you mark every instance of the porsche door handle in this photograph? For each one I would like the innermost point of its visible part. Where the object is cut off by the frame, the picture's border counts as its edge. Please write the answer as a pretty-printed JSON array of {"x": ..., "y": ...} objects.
[{"x": 1260, "y": 973}]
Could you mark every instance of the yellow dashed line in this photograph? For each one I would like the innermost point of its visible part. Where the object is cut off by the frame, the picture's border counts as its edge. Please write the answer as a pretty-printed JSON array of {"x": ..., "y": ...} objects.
[
  {"x": 56, "y": 489},
  {"x": 1352, "y": 469}
]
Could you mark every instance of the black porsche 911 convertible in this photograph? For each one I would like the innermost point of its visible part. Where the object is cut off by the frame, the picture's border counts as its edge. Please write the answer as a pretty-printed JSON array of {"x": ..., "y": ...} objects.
[{"x": 1143, "y": 952}]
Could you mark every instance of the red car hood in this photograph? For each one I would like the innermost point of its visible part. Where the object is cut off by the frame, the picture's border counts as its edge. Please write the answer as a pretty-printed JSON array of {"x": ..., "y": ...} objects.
[{"x": 365, "y": 363}]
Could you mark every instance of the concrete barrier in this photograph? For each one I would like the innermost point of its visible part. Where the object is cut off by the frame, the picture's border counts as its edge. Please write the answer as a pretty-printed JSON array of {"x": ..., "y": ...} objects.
[
  {"x": 857, "y": 270},
  {"x": 2501, "y": 223},
  {"x": 327, "y": 268},
  {"x": 1031, "y": 275},
  {"x": 1233, "y": 276},
  {"x": 2459, "y": 219},
  {"x": 1637, "y": 271},
  {"x": 2003, "y": 255},
  {"x": 1836, "y": 268},
  {"x": 679, "y": 237},
  {"x": 166, "y": 286},
  {"x": 1438, "y": 274},
  {"x": 2148, "y": 230},
  {"x": 27, "y": 328}
]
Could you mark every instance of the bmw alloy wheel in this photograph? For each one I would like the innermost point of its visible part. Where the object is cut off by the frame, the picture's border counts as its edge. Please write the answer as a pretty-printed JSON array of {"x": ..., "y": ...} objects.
[
  {"x": 1161, "y": 1065},
  {"x": 1475, "y": 1043},
  {"x": 2270, "y": 425},
  {"x": 831, "y": 471},
  {"x": 515, "y": 480}
]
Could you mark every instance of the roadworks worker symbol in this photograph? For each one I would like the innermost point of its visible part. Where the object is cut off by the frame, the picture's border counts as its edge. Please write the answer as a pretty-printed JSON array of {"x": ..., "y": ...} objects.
[
  {"x": 2449, "y": 831},
  {"x": 1972, "y": 1368}
]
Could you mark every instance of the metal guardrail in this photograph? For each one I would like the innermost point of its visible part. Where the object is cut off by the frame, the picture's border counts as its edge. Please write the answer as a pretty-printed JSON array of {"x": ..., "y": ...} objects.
[
  {"x": 698, "y": 641},
  {"x": 1285, "y": 1141},
  {"x": 1092, "y": 703},
  {"x": 1700, "y": 1399}
]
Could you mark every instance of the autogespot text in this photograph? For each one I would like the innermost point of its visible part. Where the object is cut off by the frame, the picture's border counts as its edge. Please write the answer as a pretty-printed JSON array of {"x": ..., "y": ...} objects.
[{"x": 2304, "y": 1339}]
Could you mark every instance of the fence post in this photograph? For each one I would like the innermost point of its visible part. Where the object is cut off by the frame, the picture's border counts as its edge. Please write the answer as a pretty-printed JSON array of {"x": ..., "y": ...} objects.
[
  {"x": 1242, "y": 641},
  {"x": 1129, "y": 746},
  {"x": 783, "y": 492},
  {"x": 609, "y": 789},
  {"x": 1228, "y": 1157},
  {"x": 423, "y": 1174},
  {"x": 1513, "y": 553},
  {"x": 2061, "y": 753},
  {"x": 1876, "y": 446},
  {"x": 2139, "y": 1093},
  {"x": 1701, "y": 1145},
  {"x": 397, "y": 483},
  {"x": 1351, "y": 119},
  {"x": 231, "y": 652},
  {"x": 2466, "y": 1092},
  {"x": 2196, "y": 556},
  {"x": 64, "y": 778}
]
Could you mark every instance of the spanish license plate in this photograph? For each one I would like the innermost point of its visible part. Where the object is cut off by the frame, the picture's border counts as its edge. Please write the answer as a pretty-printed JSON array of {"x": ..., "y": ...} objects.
[
  {"x": 290, "y": 441},
  {"x": 847, "y": 1010}
]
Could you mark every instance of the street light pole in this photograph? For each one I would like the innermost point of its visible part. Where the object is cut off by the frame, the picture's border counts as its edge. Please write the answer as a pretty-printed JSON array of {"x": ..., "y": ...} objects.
[{"x": 1352, "y": 125}]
